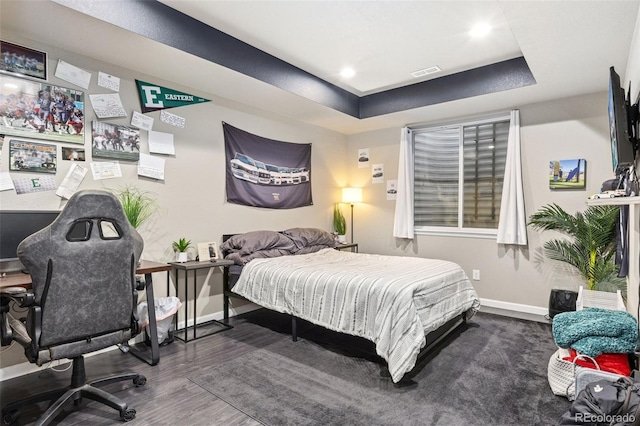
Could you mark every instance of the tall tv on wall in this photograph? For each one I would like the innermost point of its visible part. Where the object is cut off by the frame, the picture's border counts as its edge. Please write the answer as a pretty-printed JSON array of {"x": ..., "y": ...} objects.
[{"x": 623, "y": 119}]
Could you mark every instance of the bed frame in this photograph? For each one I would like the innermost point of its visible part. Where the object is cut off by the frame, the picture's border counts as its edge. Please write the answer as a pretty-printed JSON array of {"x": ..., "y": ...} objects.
[{"x": 433, "y": 338}]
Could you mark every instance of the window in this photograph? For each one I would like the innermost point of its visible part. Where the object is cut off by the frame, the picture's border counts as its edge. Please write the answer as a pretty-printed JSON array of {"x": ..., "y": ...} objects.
[{"x": 458, "y": 175}]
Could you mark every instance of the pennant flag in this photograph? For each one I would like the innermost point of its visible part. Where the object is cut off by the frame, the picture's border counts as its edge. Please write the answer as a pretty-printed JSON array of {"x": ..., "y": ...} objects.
[{"x": 154, "y": 97}]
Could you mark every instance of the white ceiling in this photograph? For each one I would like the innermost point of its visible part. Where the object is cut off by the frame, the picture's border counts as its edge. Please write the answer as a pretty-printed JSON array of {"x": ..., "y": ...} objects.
[{"x": 568, "y": 45}]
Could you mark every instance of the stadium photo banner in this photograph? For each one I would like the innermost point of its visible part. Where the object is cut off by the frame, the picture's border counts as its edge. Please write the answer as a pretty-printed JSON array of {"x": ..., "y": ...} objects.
[
  {"x": 266, "y": 173},
  {"x": 155, "y": 98}
]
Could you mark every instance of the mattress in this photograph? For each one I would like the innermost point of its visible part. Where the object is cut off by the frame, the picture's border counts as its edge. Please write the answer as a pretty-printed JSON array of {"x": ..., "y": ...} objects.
[{"x": 393, "y": 301}]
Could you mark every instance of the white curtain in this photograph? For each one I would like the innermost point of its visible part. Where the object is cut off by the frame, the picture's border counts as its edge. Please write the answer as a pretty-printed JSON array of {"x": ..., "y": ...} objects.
[
  {"x": 512, "y": 228},
  {"x": 403, "y": 221}
]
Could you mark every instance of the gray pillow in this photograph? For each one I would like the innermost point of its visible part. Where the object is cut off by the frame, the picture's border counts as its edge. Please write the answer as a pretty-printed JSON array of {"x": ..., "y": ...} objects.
[
  {"x": 305, "y": 237},
  {"x": 254, "y": 241}
]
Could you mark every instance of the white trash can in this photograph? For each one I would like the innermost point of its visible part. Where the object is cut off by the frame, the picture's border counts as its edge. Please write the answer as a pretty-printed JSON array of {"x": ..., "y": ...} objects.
[{"x": 165, "y": 308}]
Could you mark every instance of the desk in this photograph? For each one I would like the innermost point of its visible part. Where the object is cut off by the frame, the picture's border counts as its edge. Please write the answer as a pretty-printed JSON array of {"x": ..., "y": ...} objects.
[
  {"x": 195, "y": 266},
  {"x": 146, "y": 268}
]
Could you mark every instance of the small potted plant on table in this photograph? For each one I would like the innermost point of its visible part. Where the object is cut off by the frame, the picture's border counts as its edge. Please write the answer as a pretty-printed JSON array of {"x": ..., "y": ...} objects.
[
  {"x": 180, "y": 247},
  {"x": 339, "y": 223}
]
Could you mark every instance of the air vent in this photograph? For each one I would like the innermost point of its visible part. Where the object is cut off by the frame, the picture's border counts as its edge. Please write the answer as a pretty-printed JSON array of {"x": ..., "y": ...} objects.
[{"x": 426, "y": 71}]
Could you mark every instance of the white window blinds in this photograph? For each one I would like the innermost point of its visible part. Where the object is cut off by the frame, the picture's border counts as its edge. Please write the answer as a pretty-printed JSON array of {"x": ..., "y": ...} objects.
[{"x": 458, "y": 175}]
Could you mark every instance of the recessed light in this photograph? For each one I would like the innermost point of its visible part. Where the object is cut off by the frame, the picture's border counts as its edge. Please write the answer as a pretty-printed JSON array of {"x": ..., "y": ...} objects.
[
  {"x": 347, "y": 73},
  {"x": 480, "y": 30}
]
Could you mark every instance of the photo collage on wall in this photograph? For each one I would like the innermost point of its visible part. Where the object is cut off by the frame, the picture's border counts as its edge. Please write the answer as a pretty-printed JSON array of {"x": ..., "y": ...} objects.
[{"x": 33, "y": 108}]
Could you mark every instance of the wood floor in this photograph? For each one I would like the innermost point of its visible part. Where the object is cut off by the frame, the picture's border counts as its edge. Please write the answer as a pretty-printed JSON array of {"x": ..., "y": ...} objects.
[{"x": 169, "y": 397}]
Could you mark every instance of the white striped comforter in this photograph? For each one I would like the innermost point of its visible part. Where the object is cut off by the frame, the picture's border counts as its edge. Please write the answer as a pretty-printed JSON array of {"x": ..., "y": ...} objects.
[{"x": 392, "y": 301}]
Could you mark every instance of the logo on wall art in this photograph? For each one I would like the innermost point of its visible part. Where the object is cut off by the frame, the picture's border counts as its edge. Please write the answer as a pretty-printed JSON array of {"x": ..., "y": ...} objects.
[{"x": 155, "y": 98}]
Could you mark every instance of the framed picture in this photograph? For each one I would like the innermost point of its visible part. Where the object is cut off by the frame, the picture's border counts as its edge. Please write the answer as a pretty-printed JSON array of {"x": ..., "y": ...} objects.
[
  {"x": 568, "y": 174},
  {"x": 115, "y": 141},
  {"x": 22, "y": 61},
  {"x": 41, "y": 111},
  {"x": 207, "y": 252},
  {"x": 32, "y": 157},
  {"x": 73, "y": 154}
]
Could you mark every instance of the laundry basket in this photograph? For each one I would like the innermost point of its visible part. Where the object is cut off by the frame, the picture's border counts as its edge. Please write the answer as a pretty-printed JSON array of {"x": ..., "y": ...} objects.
[{"x": 599, "y": 299}]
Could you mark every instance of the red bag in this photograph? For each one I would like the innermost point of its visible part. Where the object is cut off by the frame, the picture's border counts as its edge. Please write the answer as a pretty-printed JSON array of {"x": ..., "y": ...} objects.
[{"x": 613, "y": 363}]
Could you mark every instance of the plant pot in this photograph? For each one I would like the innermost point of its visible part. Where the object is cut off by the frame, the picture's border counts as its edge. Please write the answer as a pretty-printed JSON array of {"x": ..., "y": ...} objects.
[
  {"x": 562, "y": 301},
  {"x": 181, "y": 256},
  {"x": 342, "y": 239}
]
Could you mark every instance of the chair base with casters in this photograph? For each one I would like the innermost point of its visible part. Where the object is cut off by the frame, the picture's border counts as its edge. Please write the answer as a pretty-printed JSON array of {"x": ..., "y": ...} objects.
[{"x": 74, "y": 393}]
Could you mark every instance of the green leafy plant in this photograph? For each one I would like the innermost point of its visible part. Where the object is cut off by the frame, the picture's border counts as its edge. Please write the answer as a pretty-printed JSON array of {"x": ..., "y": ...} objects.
[
  {"x": 339, "y": 223},
  {"x": 590, "y": 246},
  {"x": 181, "y": 245},
  {"x": 138, "y": 205}
]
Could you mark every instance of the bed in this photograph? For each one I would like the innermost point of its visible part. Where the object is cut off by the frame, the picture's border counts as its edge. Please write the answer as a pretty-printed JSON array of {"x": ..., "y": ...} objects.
[{"x": 401, "y": 304}]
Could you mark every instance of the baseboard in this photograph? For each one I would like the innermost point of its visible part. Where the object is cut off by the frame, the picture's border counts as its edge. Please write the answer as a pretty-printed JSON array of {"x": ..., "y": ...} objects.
[
  {"x": 515, "y": 310},
  {"x": 21, "y": 369}
]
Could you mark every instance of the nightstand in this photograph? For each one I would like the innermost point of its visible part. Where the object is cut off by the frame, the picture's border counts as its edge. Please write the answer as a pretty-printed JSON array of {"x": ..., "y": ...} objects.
[
  {"x": 349, "y": 246},
  {"x": 194, "y": 266}
]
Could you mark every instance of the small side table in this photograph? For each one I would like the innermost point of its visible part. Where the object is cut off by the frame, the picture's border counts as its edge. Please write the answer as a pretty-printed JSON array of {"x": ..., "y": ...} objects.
[
  {"x": 348, "y": 246},
  {"x": 195, "y": 266}
]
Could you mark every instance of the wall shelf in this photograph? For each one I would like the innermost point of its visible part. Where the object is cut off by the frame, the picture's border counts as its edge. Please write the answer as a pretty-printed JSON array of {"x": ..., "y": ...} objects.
[{"x": 616, "y": 201}]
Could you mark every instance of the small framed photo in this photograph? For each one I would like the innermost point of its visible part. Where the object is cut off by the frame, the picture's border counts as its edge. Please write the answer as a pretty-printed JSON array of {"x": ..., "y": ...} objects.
[
  {"x": 73, "y": 154},
  {"x": 567, "y": 174},
  {"x": 22, "y": 61},
  {"x": 207, "y": 252},
  {"x": 26, "y": 156}
]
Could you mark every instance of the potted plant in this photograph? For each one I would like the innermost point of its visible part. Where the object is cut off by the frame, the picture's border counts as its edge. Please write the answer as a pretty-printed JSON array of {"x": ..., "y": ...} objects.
[
  {"x": 590, "y": 246},
  {"x": 180, "y": 247},
  {"x": 138, "y": 205},
  {"x": 339, "y": 223}
]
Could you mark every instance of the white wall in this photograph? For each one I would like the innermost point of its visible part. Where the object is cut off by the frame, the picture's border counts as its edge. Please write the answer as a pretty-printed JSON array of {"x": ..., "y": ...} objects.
[{"x": 192, "y": 196}]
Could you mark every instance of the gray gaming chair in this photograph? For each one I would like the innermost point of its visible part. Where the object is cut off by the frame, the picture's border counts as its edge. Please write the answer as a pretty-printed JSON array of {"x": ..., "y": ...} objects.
[{"x": 83, "y": 298}]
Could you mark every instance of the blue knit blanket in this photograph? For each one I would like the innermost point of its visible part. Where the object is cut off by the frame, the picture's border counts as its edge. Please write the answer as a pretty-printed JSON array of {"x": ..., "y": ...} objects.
[{"x": 595, "y": 331}]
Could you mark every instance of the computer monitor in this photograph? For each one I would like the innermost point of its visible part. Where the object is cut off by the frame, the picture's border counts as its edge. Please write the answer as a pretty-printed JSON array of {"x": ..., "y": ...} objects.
[{"x": 16, "y": 225}]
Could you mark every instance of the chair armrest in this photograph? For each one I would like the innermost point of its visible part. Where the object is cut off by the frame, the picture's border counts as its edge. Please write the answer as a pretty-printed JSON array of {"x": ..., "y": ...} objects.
[
  {"x": 22, "y": 298},
  {"x": 19, "y": 295}
]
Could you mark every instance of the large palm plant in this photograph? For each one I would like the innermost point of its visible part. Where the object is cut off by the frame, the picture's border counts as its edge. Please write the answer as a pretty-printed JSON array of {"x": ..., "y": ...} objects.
[{"x": 591, "y": 244}]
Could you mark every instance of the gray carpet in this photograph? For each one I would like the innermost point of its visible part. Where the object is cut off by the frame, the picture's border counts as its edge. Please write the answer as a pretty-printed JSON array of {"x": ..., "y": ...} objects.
[{"x": 492, "y": 372}]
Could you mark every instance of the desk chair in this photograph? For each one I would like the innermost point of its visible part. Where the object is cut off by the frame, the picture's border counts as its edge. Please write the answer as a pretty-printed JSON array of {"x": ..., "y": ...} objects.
[{"x": 83, "y": 298}]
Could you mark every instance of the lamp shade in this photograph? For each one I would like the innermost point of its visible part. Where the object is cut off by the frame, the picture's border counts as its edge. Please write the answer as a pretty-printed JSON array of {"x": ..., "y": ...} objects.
[{"x": 351, "y": 195}]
